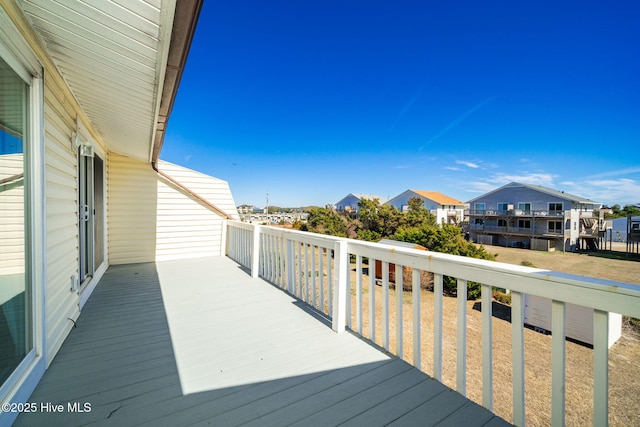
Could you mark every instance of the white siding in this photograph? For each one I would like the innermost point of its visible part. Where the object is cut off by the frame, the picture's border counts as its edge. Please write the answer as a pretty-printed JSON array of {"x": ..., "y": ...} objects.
[
  {"x": 62, "y": 218},
  {"x": 186, "y": 227},
  {"x": 150, "y": 218},
  {"x": 131, "y": 211}
]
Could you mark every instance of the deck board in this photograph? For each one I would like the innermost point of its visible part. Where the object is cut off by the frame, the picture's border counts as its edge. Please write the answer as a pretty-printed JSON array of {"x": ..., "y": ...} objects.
[{"x": 199, "y": 342}]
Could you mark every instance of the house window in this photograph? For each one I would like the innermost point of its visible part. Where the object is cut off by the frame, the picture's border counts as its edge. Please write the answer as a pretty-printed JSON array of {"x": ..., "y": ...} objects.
[
  {"x": 479, "y": 221},
  {"x": 524, "y": 223},
  {"x": 502, "y": 222},
  {"x": 480, "y": 207},
  {"x": 524, "y": 207},
  {"x": 503, "y": 207},
  {"x": 15, "y": 288},
  {"x": 555, "y": 226},
  {"x": 555, "y": 207}
]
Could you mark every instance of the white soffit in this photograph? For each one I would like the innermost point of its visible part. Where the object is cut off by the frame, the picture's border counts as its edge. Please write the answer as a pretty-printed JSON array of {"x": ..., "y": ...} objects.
[{"x": 113, "y": 54}]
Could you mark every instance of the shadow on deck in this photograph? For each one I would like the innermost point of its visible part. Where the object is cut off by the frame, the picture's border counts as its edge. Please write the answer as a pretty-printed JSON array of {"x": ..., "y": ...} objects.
[{"x": 200, "y": 342}]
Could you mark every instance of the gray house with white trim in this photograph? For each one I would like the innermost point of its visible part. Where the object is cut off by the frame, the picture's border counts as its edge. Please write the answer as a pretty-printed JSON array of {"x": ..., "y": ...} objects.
[{"x": 532, "y": 216}]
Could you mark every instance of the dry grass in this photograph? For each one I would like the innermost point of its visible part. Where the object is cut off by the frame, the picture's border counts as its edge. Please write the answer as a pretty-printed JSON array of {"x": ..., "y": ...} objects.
[{"x": 624, "y": 374}]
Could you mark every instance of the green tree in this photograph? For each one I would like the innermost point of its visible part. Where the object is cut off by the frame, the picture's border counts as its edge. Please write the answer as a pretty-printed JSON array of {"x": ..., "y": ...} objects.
[
  {"x": 325, "y": 221},
  {"x": 418, "y": 215},
  {"x": 377, "y": 221},
  {"x": 446, "y": 239}
]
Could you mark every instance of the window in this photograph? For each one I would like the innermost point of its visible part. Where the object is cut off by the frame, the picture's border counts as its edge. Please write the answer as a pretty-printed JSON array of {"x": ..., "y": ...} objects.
[
  {"x": 555, "y": 207},
  {"x": 555, "y": 227},
  {"x": 479, "y": 221},
  {"x": 524, "y": 223},
  {"x": 480, "y": 206},
  {"x": 15, "y": 289},
  {"x": 502, "y": 222},
  {"x": 524, "y": 207},
  {"x": 503, "y": 207}
]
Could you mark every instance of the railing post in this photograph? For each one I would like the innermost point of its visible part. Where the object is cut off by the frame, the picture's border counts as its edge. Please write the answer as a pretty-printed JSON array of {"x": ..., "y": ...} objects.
[
  {"x": 600, "y": 368},
  {"x": 340, "y": 282},
  {"x": 223, "y": 237},
  {"x": 255, "y": 252}
]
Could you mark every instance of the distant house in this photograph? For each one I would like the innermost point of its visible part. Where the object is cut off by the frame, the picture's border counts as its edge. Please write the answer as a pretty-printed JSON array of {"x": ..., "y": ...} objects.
[
  {"x": 349, "y": 203},
  {"x": 533, "y": 216},
  {"x": 447, "y": 210}
]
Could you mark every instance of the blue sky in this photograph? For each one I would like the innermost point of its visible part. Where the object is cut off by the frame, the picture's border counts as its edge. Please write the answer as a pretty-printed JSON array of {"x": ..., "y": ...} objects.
[{"x": 311, "y": 100}]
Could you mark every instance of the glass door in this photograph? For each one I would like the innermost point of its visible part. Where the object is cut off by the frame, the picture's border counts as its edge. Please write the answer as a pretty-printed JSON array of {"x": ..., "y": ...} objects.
[
  {"x": 15, "y": 283},
  {"x": 91, "y": 211}
]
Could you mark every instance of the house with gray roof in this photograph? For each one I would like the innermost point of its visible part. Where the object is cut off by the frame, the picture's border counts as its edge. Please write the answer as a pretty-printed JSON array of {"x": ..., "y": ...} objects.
[
  {"x": 349, "y": 203},
  {"x": 536, "y": 217}
]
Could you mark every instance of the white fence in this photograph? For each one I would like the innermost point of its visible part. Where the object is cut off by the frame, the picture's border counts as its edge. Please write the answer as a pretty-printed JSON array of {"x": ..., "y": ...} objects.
[{"x": 317, "y": 269}]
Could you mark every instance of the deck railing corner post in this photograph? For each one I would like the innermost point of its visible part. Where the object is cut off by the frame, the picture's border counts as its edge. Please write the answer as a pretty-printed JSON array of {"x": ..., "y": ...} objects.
[
  {"x": 255, "y": 252},
  {"x": 340, "y": 286},
  {"x": 224, "y": 249}
]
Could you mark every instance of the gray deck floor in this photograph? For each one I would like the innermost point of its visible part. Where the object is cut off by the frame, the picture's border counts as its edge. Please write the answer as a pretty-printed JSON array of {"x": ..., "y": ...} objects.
[{"x": 199, "y": 342}]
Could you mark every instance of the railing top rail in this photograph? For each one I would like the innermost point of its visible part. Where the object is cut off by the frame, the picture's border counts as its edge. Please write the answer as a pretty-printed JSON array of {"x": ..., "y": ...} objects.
[
  {"x": 606, "y": 295},
  {"x": 240, "y": 224},
  {"x": 301, "y": 236}
]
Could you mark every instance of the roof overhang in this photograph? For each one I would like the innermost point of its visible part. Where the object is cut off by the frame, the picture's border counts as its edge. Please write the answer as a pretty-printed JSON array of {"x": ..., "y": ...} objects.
[{"x": 122, "y": 62}]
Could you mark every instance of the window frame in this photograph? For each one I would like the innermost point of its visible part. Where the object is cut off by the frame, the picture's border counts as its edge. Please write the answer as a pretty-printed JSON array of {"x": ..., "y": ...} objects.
[{"x": 16, "y": 52}]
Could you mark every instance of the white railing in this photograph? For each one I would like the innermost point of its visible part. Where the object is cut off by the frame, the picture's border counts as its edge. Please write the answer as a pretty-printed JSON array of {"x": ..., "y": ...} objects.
[{"x": 318, "y": 269}]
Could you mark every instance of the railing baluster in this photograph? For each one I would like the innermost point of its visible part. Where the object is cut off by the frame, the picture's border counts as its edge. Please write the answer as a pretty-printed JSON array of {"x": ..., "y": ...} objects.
[
  {"x": 313, "y": 279},
  {"x": 372, "y": 299},
  {"x": 600, "y": 368},
  {"x": 330, "y": 263},
  {"x": 385, "y": 305},
  {"x": 321, "y": 253},
  {"x": 461, "y": 366},
  {"x": 306, "y": 273},
  {"x": 558, "y": 357},
  {"x": 399, "y": 318},
  {"x": 437, "y": 326},
  {"x": 359, "y": 292},
  {"x": 517, "y": 348},
  {"x": 291, "y": 267},
  {"x": 415, "y": 307},
  {"x": 267, "y": 255},
  {"x": 283, "y": 261},
  {"x": 301, "y": 274},
  {"x": 487, "y": 346}
]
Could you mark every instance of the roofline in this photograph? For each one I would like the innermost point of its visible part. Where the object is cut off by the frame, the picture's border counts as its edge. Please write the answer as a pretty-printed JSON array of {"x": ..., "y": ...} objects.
[
  {"x": 185, "y": 19},
  {"x": 459, "y": 202},
  {"x": 542, "y": 189}
]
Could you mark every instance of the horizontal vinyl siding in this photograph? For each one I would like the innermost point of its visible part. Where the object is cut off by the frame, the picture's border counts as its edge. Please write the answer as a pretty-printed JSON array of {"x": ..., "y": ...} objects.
[
  {"x": 62, "y": 218},
  {"x": 186, "y": 227},
  {"x": 131, "y": 212},
  {"x": 214, "y": 190}
]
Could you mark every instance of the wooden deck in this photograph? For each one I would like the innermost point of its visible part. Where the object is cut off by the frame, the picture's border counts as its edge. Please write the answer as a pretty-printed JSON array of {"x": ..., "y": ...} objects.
[{"x": 199, "y": 342}]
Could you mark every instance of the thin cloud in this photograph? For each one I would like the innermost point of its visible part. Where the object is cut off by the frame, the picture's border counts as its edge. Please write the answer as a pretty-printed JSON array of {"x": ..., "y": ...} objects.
[
  {"x": 406, "y": 108},
  {"x": 459, "y": 120},
  {"x": 467, "y": 164},
  {"x": 618, "y": 172},
  {"x": 621, "y": 191}
]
